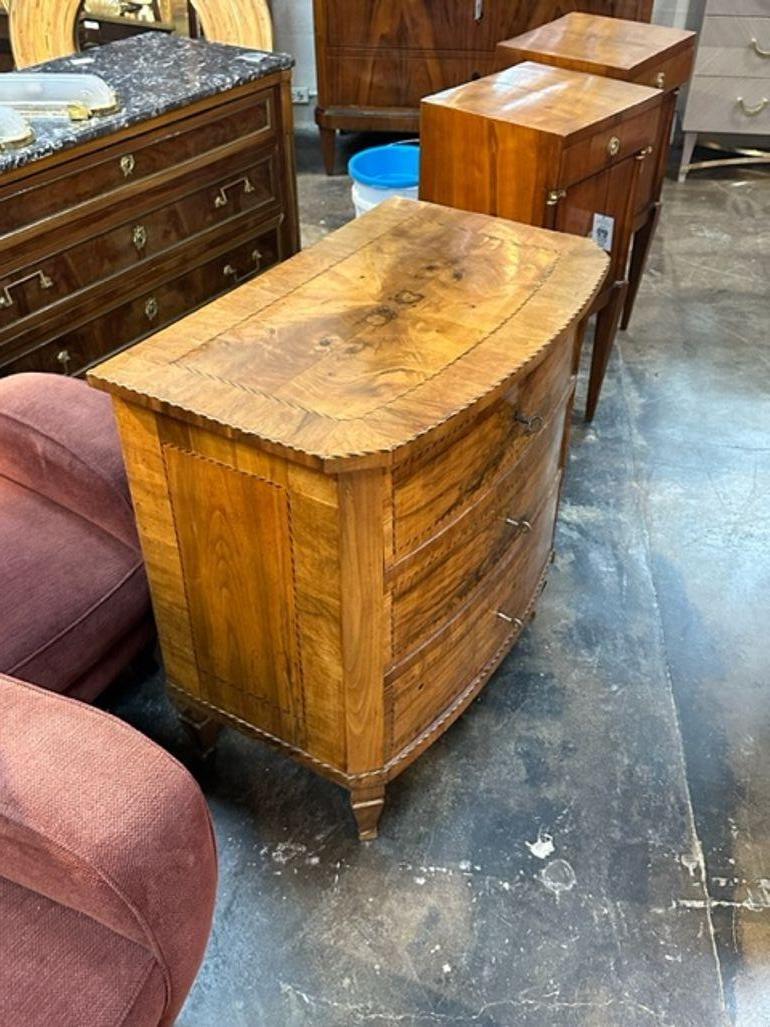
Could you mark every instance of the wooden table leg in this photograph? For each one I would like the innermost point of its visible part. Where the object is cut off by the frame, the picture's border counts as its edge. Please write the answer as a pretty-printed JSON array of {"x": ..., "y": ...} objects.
[
  {"x": 367, "y": 803},
  {"x": 639, "y": 254},
  {"x": 202, "y": 729},
  {"x": 329, "y": 148},
  {"x": 607, "y": 322}
]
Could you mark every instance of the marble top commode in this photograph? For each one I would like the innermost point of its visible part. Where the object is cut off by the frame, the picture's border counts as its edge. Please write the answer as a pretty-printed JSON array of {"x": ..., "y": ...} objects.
[{"x": 151, "y": 73}]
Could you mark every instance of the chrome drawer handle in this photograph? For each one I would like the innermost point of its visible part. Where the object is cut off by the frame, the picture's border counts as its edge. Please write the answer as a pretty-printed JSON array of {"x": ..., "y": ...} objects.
[
  {"x": 232, "y": 272},
  {"x": 139, "y": 237},
  {"x": 6, "y": 300},
  {"x": 758, "y": 50},
  {"x": 532, "y": 425},
  {"x": 151, "y": 308},
  {"x": 222, "y": 199},
  {"x": 478, "y": 10},
  {"x": 750, "y": 110},
  {"x": 523, "y": 526},
  {"x": 63, "y": 357},
  {"x": 516, "y": 621},
  {"x": 127, "y": 165}
]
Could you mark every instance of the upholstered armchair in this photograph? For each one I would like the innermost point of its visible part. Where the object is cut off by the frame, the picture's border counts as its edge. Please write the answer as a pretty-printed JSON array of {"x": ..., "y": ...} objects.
[
  {"x": 74, "y": 604},
  {"x": 107, "y": 868}
]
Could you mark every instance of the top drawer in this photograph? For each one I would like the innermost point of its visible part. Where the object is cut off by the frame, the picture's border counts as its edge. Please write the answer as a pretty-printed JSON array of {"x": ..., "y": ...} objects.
[
  {"x": 741, "y": 8},
  {"x": 735, "y": 47},
  {"x": 610, "y": 146},
  {"x": 123, "y": 164}
]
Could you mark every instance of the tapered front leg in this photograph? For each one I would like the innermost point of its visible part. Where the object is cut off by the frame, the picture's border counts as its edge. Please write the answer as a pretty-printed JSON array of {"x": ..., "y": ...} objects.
[
  {"x": 607, "y": 322},
  {"x": 639, "y": 254},
  {"x": 202, "y": 729},
  {"x": 367, "y": 803}
]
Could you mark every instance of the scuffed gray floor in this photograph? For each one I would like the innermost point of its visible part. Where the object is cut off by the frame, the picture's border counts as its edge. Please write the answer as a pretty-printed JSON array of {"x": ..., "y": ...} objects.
[{"x": 590, "y": 844}]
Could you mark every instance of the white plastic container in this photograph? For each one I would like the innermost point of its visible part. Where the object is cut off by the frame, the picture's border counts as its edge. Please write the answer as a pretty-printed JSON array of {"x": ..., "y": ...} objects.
[
  {"x": 382, "y": 172},
  {"x": 14, "y": 129},
  {"x": 54, "y": 94}
]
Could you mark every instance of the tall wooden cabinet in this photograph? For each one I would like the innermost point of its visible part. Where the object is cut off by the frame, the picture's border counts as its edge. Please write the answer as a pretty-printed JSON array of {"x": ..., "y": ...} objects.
[{"x": 377, "y": 59}]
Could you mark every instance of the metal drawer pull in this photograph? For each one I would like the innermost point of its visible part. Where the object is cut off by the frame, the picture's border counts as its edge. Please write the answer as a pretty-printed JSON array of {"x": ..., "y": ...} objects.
[
  {"x": 63, "y": 357},
  {"x": 613, "y": 146},
  {"x": 6, "y": 300},
  {"x": 523, "y": 526},
  {"x": 756, "y": 109},
  {"x": 231, "y": 271},
  {"x": 532, "y": 425},
  {"x": 139, "y": 237},
  {"x": 478, "y": 10},
  {"x": 660, "y": 80},
  {"x": 758, "y": 50},
  {"x": 222, "y": 199},
  {"x": 510, "y": 620},
  {"x": 554, "y": 196},
  {"x": 127, "y": 165},
  {"x": 151, "y": 308}
]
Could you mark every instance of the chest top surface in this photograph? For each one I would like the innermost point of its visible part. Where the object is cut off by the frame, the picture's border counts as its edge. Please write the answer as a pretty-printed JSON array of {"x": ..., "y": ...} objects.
[
  {"x": 554, "y": 101},
  {"x": 606, "y": 46},
  {"x": 368, "y": 340}
]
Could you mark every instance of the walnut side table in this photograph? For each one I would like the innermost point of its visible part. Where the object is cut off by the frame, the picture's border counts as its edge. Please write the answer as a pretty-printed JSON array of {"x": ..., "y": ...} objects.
[{"x": 346, "y": 475}]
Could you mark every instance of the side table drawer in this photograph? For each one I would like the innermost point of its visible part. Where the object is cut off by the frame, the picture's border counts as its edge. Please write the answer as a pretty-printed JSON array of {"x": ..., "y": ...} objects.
[
  {"x": 58, "y": 278},
  {"x": 735, "y": 47},
  {"x": 609, "y": 147},
  {"x": 730, "y": 105},
  {"x": 73, "y": 352},
  {"x": 129, "y": 162}
]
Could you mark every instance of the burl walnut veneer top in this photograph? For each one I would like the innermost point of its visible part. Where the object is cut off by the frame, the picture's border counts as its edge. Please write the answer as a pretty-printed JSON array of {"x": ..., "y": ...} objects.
[
  {"x": 603, "y": 46},
  {"x": 551, "y": 100},
  {"x": 359, "y": 345}
]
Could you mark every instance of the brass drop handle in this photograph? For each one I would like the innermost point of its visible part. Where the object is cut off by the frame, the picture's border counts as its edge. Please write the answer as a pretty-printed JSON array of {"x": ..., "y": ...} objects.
[
  {"x": 753, "y": 110},
  {"x": 232, "y": 272},
  {"x": 139, "y": 237},
  {"x": 554, "y": 195},
  {"x": 127, "y": 165},
  {"x": 6, "y": 300},
  {"x": 516, "y": 621},
  {"x": 523, "y": 526},
  {"x": 63, "y": 357},
  {"x": 758, "y": 50},
  {"x": 222, "y": 199},
  {"x": 151, "y": 308},
  {"x": 532, "y": 425}
]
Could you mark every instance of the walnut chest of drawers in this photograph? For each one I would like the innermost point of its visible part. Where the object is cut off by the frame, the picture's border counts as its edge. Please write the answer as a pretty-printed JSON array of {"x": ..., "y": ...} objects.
[
  {"x": 346, "y": 476},
  {"x": 106, "y": 240},
  {"x": 551, "y": 147},
  {"x": 650, "y": 55}
]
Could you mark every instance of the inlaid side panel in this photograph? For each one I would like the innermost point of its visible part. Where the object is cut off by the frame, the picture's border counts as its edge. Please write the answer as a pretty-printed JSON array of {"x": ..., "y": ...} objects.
[{"x": 236, "y": 556}]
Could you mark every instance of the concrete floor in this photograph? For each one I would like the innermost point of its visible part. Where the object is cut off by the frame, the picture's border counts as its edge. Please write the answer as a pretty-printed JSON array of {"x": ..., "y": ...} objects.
[{"x": 629, "y": 731}]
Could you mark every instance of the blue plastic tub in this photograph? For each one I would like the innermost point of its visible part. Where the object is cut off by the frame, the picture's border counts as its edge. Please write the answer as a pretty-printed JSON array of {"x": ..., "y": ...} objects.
[{"x": 382, "y": 172}]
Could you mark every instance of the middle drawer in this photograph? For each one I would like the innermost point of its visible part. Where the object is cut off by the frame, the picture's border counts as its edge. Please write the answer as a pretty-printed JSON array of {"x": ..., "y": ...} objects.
[
  {"x": 429, "y": 585},
  {"x": 32, "y": 289}
]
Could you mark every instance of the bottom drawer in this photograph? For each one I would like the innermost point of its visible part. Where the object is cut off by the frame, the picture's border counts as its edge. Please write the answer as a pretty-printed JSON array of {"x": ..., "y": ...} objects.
[
  {"x": 740, "y": 106},
  {"x": 425, "y": 686},
  {"x": 74, "y": 352}
]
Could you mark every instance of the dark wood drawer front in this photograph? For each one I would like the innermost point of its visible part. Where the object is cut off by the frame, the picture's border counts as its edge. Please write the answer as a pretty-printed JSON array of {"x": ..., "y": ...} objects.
[
  {"x": 430, "y": 586},
  {"x": 59, "y": 278},
  {"x": 123, "y": 165},
  {"x": 73, "y": 352},
  {"x": 396, "y": 79},
  {"x": 432, "y": 679},
  {"x": 438, "y": 486}
]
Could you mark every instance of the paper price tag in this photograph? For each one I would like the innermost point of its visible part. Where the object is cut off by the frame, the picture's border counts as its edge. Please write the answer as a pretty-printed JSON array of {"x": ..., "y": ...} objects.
[{"x": 603, "y": 231}]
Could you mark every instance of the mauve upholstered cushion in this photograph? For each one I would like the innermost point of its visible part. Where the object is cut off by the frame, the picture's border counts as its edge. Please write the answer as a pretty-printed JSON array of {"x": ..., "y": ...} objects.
[
  {"x": 96, "y": 818},
  {"x": 58, "y": 437},
  {"x": 70, "y": 591}
]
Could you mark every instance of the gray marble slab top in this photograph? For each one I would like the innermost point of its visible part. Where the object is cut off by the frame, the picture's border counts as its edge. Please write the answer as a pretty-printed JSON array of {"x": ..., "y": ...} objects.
[{"x": 151, "y": 73}]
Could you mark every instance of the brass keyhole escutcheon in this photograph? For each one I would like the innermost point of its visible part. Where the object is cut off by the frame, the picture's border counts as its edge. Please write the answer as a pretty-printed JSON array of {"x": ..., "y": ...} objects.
[
  {"x": 151, "y": 308},
  {"x": 127, "y": 165},
  {"x": 139, "y": 237},
  {"x": 613, "y": 146}
]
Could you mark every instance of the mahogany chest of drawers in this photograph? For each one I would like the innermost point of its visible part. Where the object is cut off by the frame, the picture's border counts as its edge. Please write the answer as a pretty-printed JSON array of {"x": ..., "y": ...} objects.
[
  {"x": 346, "y": 476},
  {"x": 377, "y": 59},
  {"x": 549, "y": 147},
  {"x": 651, "y": 55},
  {"x": 108, "y": 239}
]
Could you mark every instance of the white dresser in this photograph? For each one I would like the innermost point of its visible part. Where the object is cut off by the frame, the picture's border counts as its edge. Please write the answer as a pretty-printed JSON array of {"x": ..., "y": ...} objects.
[{"x": 730, "y": 90}]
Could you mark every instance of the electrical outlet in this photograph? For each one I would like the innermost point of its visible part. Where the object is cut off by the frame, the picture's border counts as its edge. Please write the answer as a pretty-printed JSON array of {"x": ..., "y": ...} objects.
[{"x": 300, "y": 94}]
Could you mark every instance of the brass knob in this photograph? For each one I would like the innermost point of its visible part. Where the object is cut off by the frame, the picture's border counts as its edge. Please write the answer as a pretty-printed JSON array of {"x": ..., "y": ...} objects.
[
  {"x": 554, "y": 196},
  {"x": 63, "y": 357},
  {"x": 139, "y": 237},
  {"x": 660, "y": 80},
  {"x": 127, "y": 164},
  {"x": 151, "y": 308},
  {"x": 532, "y": 425},
  {"x": 613, "y": 146}
]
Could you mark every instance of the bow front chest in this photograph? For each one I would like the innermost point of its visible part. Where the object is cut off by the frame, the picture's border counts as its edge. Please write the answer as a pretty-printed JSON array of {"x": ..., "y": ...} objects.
[{"x": 346, "y": 476}]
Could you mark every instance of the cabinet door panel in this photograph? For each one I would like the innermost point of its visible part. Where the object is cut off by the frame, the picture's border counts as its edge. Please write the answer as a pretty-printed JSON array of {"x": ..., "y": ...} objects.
[{"x": 404, "y": 24}]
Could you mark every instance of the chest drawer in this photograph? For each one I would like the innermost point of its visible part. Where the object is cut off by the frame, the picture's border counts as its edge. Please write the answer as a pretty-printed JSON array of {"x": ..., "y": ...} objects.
[
  {"x": 430, "y": 585},
  {"x": 73, "y": 352},
  {"x": 601, "y": 151},
  {"x": 738, "y": 8},
  {"x": 735, "y": 47},
  {"x": 739, "y": 105},
  {"x": 472, "y": 643},
  {"x": 60, "y": 277},
  {"x": 438, "y": 486},
  {"x": 124, "y": 164}
]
